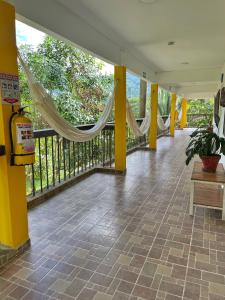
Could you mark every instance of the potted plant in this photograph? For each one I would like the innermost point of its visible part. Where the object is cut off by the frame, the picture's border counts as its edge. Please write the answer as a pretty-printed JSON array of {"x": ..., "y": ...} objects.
[{"x": 208, "y": 145}]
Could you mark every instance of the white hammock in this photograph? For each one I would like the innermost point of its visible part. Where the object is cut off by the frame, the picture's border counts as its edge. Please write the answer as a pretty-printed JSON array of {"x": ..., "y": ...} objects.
[
  {"x": 143, "y": 129},
  {"x": 179, "y": 115},
  {"x": 221, "y": 124},
  {"x": 165, "y": 125},
  {"x": 161, "y": 124},
  {"x": 45, "y": 105},
  {"x": 132, "y": 123}
]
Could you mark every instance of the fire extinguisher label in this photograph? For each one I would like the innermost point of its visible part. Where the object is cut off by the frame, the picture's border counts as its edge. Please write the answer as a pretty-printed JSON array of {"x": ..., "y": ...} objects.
[
  {"x": 25, "y": 136},
  {"x": 9, "y": 88}
]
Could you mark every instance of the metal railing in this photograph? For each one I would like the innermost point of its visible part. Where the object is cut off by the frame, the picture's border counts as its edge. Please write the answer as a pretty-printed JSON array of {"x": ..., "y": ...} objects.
[
  {"x": 58, "y": 159},
  {"x": 199, "y": 120},
  {"x": 195, "y": 120}
]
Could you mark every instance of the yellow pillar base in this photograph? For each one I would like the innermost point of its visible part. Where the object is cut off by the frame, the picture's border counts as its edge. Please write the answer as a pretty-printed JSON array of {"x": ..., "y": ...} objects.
[
  {"x": 154, "y": 112},
  {"x": 13, "y": 205},
  {"x": 120, "y": 118}
]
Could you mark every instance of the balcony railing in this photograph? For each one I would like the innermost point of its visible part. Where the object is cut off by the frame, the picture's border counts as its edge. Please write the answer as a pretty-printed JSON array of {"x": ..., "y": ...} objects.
[
  {"x": 199, "y": 120},
  {"x": 58, "y": 159}
]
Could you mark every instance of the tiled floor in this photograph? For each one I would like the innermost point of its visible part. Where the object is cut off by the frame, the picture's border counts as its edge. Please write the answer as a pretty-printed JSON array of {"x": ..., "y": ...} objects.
[{"x": 114, "y": 237}]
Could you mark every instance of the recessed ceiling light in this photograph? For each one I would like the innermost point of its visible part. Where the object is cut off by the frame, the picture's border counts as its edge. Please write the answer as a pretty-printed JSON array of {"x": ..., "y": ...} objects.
[
  {"x": 185, "y": 63},
  {"x": 148, "y": 1},
  {"x": 171, "y": 43}
]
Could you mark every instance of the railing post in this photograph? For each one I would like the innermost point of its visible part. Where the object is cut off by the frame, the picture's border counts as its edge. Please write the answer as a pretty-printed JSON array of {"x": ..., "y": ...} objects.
[
  {"x": 183, "y": 121},
  {"x": 120, "y": 118},
  {"x": 173, "y": 113},
  {"x": 13, "y": 205},
  {"x": 154, "y": 111}
]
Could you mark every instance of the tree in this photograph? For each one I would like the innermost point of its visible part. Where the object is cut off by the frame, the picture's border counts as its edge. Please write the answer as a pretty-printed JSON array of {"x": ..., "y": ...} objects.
[
  {"x": 75, "y": 81},
  {"x": 164, "y": 102},
  {"x": 200, "y": 112},
  {"x": 200, "y": 106},
  {"x": 71, "y": 76}
]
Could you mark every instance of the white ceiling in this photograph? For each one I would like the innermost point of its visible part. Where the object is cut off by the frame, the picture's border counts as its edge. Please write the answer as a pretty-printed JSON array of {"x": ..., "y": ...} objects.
[
  {"x": 197, "y": 27},
  {"x": 137, "y": 34}
]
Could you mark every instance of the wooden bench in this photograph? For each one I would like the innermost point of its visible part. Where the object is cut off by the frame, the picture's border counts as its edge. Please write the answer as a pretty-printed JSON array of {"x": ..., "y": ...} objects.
[{"x": 207, "y": 189}]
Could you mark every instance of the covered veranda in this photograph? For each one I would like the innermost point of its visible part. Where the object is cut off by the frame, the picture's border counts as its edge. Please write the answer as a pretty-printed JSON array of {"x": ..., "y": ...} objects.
[
  {"x": 123, "y": 233},
  {"x": 123, "y": 237}
]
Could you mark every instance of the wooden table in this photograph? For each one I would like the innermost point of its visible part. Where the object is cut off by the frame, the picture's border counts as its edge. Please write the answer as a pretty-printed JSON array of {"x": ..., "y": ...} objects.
[{"x": 207, "y": 189}]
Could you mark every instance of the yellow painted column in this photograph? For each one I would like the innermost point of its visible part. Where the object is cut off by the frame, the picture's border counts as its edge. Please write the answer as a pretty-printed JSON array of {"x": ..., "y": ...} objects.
[
  {"x": 154, "y": 112},
  {"x": 120, "y": 118},
  {"x": 183, "y": 121},
  {"x": 173, "y": 113},
  {"x": 13, "y": 206}
]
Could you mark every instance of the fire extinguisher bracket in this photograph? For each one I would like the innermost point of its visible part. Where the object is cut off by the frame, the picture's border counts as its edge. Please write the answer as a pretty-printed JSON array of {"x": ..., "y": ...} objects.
[{"x": 2, "y": 150}]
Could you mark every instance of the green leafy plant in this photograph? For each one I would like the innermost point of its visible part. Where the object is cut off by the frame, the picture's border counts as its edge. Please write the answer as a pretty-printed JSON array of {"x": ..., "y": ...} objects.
[{"x": 204, "y": 142}]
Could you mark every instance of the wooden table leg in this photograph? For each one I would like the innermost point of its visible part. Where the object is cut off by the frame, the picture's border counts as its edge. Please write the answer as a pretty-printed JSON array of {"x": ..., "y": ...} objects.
[
  {"x": 223, "y": 211},
  {"x": 191, "y": 199}
]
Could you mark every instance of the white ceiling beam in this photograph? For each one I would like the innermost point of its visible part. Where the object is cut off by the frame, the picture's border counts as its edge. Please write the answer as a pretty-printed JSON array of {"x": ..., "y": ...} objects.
[
  {"x": 198, "y": 88},
  {"x": 56, "y": 20},
  {"x": 195, "y": 91},
  {"x": 202, "y": 95},
  {"x": 188, "y": 76}
]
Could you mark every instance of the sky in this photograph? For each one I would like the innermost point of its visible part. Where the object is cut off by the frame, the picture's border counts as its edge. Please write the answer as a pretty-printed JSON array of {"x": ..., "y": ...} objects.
[{"x": 28, "y": 35}]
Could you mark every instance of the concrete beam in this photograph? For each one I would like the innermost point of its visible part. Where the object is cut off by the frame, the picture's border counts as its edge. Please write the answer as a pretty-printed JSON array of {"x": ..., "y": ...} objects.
[
  {"x": 189, "y": 76},
  {"x": 198, "y": 88},
  {"x": 55, "y": 19},
  {"x": 202, "y": 95},
  {"x": 198, "y": 91}
]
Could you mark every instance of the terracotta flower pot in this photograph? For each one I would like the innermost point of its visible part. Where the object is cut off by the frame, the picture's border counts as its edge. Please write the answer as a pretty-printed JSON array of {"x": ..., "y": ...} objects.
[{"x": 210, "y": 163}]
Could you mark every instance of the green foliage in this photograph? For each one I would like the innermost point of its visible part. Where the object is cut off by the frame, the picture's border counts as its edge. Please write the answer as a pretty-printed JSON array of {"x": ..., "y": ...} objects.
[
  {"x": 200, "y": 106},
  {"x": 200, "y": 121},
  {"x": 164, "y": 102},
  {"x": 204, "y": 142},
  {"x": 135, "y": 102},
  {"x": 71, "y": 76},
  {"x": 75, "y": 80},
  {"x": 178, "y": 103},
  {"x": 200, "y": 112}
]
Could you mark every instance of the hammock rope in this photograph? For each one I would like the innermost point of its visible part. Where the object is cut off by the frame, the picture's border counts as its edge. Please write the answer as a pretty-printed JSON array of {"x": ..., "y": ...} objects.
[
  {"x": 165, "y": 125},
  {"x": 144, "y": 127},
  {"x": 45, "y": 104},
  {"x": 221, "y": 125},
  {"x": 161, "y": 124},
  {"x": 132, "y": 123}
]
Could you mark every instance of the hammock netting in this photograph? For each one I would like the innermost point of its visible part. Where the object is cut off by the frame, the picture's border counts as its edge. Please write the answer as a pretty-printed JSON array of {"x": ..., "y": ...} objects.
[
  {"x": 132, "y": 123},
  {"x": 45, "y": 104}
]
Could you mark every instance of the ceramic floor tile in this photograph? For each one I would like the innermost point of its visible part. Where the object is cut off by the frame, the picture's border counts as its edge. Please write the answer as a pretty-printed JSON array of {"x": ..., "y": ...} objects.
[{"x": 124, "y": 237}]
